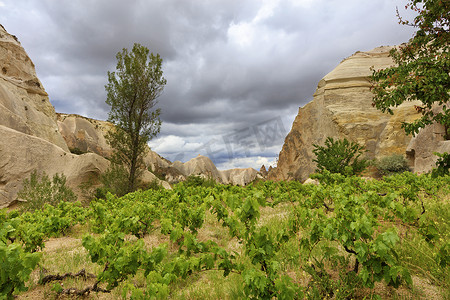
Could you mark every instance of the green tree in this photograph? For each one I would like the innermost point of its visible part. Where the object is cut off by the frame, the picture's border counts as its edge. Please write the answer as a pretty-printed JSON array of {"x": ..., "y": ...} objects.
[
  {"x": 132, "y": 92},
  {"x": 422, "y": 70},
  {"x": 339, "y": 156}
]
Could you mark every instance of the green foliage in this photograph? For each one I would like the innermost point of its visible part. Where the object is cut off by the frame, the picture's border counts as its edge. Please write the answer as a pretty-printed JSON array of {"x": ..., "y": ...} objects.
[
  {"x": 39, "y": 190},
  {"x": 340, "y": 156},
  {"x": 21, "y": 235},
  {"x": 343, "y": 236},
  {"x": 442, "y": 165},
  {"x": 423, "y": 68},
  {"x": 132, "y": 91},
  {"x": 114, "y": 180},
  {"x": 389, "y": 165},
  {"x": 153, "y": 185},
  {"x": 16, "y": 267},
  {"x": 157, "y": 172},
  {"x": 196, "y": 180}
]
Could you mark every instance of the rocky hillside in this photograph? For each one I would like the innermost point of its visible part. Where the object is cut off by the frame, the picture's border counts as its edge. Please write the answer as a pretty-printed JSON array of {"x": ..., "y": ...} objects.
[
  {"x": 88, "y": 135},
  {"x": 31, "y": 138},
  {"x": 34, "y": 137},
  {"x": 342, "y": 108}
]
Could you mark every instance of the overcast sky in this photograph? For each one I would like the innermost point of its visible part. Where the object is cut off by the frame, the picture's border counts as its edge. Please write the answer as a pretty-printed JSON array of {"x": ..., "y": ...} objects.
[{"x": 237, "y": 70}]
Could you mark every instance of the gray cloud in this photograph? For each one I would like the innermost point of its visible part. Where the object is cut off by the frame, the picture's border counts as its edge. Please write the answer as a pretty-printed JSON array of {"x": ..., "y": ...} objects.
[{"x": 229, "y": 64}]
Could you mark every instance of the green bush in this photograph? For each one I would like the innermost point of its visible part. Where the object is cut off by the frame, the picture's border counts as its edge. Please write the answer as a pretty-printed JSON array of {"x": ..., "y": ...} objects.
[
  {"x": 38, "y": 190},
  {"x": 114, "y": 180},
  {"x": 158, "y": 172},
  {"x": 16, "y": 267},
  {"x": 442, "y": 165},
  {"x": 392, "y": 164},
  {"x": 153, "y": 185},
  {"x": 196, "y": 180},
  {"x": 340, "y": 156}
]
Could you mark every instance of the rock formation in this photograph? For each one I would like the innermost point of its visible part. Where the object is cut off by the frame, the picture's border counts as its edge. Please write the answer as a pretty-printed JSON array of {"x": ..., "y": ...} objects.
[
  {"x": 200, "y": 165},
  {"x": 30, "y": 136},
  {"x": 342, "y": 108},
  {"x": 24, "y": 104},
  {"x": 204, "y": 167},
  {"x": 24, "y": 153},
  {"x": 421, "y": 148},
  {"x": 240, "y": 176},
  {"x": 88, "y": 135},
  {"x": 263, "y": 171},
  {"x": 34, "y": 137},
  {"x": 82, "y": 134}
]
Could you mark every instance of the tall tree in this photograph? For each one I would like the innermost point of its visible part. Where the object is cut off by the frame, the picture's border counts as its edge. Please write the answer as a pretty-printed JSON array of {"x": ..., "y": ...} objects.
[
  {"x": 132, "y": 91},
  {"x": 423, "y": 67}
]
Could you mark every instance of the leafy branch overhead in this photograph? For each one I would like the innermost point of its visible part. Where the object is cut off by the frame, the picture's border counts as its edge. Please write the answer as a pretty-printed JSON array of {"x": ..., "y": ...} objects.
[{"x": 422, "y": 70}]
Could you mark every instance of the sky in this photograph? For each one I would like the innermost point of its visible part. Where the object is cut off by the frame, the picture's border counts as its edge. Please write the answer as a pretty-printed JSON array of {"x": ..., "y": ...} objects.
[{"x": 237, "y": 71}]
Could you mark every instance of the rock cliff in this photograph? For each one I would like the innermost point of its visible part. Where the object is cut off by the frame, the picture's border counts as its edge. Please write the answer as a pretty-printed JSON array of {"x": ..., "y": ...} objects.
[
  {"x": 24, "y": 104},
  {"x": 30, "y": 136},
  {"x": 83, "y": 134},
  {"x": 342, "y": 108}
]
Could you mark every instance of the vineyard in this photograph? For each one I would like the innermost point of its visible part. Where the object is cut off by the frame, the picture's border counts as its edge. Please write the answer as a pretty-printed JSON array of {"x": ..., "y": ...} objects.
[{"x": 345, "y": 238}]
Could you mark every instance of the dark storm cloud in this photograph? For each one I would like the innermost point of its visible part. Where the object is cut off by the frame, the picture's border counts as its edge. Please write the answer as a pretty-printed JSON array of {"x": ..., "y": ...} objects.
[{"x": 229, "y": 64}]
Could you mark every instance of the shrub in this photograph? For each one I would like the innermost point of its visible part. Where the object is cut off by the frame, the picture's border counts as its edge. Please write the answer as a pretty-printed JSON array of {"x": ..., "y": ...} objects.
[
  {"x": 196, "y": 180},
  {"x": 114, "y": 180},
  {"x": 392, "y": 164},
  {"x": 39, "y": 190},
  {"x": 340, "y": 156},
  {"x": 158, "y": 172},
  {"x": 442, "y": 165},
  {"x": 153, "y": 185}
]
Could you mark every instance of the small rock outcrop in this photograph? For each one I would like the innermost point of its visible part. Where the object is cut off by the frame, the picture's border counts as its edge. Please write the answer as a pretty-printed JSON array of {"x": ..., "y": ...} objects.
[
  {"x": 263, "y": 171},
  {"x": 200, "y": 165},
  {"x": 342, "y": 108}
]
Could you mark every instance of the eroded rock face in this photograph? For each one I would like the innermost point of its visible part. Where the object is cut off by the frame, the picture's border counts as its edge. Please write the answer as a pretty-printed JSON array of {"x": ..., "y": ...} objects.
[
  {"x": 204, "y": 167},
  {"x": 88, "y": 135},
  {"x": 342, "y": 108},
  {"x": 24, "y": 153},
  {"x": 24, "y": 104},
  {"x": 200, "y": 165},
  {"x": 240, "y": 177},
  {"x": 84, "y": 134},
  {"x": 421, "y": 148},
  {"x": 30, "y": 139}
]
